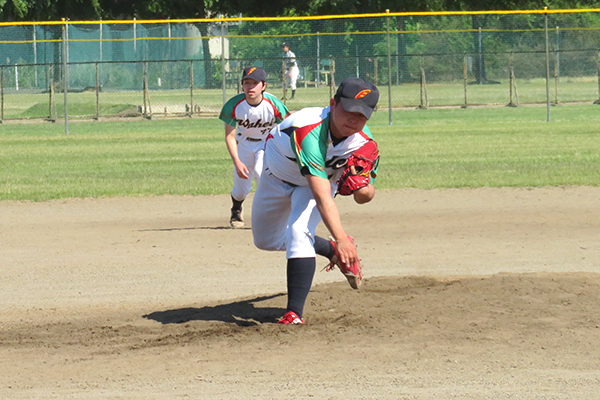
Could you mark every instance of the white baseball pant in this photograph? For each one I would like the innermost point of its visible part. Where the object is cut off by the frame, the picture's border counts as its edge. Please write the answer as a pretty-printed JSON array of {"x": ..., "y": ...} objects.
[
  {"x": 284, "y": 217},
  {"x": 251, "y": 154},
  {"x": 291, "y": 80}
]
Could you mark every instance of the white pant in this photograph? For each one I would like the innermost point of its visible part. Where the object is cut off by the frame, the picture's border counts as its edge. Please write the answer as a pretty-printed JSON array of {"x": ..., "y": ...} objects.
[
  {"x": 290, "y": 81},
  {"x": 284, "y": 217},
  {"x": 251, "y": 154}
]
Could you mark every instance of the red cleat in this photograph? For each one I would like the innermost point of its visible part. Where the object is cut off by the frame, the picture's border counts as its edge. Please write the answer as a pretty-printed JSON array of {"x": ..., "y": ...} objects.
[
  {"x": 352, "y": 272},
  {"x": 290, "y": 317}
]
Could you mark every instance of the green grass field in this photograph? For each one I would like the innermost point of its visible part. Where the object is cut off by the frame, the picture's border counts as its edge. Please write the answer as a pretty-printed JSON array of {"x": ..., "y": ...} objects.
[
  {"x": 25, "y": 104},
  {"x": 434, "y": 148}
]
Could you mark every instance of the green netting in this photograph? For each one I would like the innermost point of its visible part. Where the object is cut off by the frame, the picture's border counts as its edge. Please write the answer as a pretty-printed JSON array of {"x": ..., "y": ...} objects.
[{"x": 192, "y": 67}]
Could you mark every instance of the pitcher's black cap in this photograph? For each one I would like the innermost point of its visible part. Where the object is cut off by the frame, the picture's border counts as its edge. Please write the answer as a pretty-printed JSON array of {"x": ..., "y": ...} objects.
[
  {"x": 256, "y": 73},
  {"x": 357, "y": 95}
]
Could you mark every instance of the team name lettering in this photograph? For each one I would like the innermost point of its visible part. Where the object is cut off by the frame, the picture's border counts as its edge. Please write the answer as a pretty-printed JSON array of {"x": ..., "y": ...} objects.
[{"x": 245, "y": 123}]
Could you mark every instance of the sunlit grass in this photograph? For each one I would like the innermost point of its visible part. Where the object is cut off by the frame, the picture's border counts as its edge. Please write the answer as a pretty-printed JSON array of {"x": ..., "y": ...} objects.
[
  {"x": 27, "y": 104},
  {"x": 434, "y": 148}
]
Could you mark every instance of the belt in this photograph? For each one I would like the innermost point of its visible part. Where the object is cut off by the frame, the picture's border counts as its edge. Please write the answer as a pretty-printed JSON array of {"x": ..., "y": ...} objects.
[
  {"x": 251, "y": 139},
  {"x": 286, "y": 182},
  {"x": 289, "y": 183}
]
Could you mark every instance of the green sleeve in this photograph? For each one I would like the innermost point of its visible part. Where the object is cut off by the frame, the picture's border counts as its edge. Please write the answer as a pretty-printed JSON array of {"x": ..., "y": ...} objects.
[
  {"x": 227, "y": 112},
  {"x": 310, "y": 146},
  {"x": 374, "y": 172},
  {"x": 280, "y": 109}
]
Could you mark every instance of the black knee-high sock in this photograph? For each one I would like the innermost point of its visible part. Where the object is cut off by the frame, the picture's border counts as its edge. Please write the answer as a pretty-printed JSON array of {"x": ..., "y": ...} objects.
[
  {"x": 237, "y": 205},
  {"x": 300, "y": 273},
  {"x": 323, "y": 247}
]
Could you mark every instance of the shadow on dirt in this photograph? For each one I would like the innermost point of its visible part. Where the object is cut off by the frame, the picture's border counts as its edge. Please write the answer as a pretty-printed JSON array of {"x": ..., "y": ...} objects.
[
  {"x": 212, "y": 228},
  {"x": 243, "y": 313}
]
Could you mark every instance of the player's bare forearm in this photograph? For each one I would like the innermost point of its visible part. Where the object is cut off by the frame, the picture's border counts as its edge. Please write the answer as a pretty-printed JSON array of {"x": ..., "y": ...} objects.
[
  {"x": 364, "y": 194},
  {"x": 231, "y": 143},
  {"x": 321, "y": 190}
]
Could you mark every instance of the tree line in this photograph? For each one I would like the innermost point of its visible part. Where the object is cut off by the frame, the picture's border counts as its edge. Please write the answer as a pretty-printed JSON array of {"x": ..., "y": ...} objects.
[{"x": 45, "y": 10}]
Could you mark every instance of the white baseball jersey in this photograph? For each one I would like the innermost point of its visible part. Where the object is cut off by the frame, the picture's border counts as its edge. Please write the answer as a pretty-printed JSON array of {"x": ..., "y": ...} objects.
[
  {"x": 290, "y": 59},
  {"x": 291, "y": 69},
  {"x": 253, "y": 121},
  {"x": 253, "y": 124},
  {"x": 284, "y": 211},
  {"x": 302, "y": 144}
]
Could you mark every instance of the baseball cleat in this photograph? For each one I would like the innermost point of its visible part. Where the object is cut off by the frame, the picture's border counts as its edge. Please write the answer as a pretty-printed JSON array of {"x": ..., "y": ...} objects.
[
  {"x": 352, "y": 272},
  {"x": 236, "y": 221},
  {"x": 290, "y": 317}
]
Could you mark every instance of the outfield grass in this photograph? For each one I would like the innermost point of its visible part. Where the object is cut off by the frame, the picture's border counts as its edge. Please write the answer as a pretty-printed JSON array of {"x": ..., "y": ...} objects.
[
  {"x": 25, "y": 104},
  {"x": 491, "y": 147},
  {"x": 435, "y": 148}
]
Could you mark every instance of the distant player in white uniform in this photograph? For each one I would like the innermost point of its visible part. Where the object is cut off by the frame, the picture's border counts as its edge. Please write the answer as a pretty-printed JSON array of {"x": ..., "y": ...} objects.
[
  {"x": 291, "y": 68},
  {"x": 304, "y": 157},
  {"x": 255, "y": 112}
]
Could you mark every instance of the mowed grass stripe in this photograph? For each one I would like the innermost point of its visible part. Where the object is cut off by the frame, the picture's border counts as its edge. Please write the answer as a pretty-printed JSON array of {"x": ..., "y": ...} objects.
[{"x": 434, "y": 148}]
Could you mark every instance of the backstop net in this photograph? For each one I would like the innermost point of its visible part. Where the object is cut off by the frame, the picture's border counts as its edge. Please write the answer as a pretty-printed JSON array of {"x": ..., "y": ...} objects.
[{"x": 190, "y": 67}]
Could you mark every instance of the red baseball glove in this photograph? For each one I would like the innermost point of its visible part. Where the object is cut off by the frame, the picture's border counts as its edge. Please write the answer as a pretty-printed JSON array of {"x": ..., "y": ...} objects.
[{"x": 359, "y": 169}]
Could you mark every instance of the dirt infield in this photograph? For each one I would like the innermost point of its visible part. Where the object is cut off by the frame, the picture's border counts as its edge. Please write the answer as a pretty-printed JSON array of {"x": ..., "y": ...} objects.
[{"x": 469, "y": 294}]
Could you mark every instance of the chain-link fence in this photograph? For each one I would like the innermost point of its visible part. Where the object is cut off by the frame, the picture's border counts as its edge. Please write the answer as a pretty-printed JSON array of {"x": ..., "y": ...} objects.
[{"x": 190, "y": 67}]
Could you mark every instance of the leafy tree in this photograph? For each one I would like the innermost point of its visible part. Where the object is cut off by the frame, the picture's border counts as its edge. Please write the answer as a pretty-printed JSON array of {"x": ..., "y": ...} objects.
[
  {"x": 162, "y": 9},
  {"x": 40, "y": 10},
  {"x": 480, "y": 21},
  {"x": 48, "y": 10},
  {"x": 484, "y": 20}
]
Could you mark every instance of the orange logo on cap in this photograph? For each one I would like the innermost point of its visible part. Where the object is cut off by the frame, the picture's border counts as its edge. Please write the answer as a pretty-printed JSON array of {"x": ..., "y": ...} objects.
[
  {"x": 251, "y": 70},
  {"x": 362, "y": 94}
]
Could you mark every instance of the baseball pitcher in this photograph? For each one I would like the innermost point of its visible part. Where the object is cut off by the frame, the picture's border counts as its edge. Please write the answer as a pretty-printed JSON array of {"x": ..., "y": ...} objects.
[{"x": 309, "y": 157}]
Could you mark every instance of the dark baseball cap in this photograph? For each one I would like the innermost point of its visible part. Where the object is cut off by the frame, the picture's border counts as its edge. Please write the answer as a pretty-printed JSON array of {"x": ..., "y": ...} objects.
[
  {"x": 284, "y": 44},
  {"x": 256, "y": 73},
  {"x": 357, "y": 95}
]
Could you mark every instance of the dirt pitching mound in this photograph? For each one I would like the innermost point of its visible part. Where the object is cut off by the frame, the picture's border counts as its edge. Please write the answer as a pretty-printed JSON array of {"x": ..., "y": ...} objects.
[
  {"x": 471, "y": 294},
  {"x": 527, "y": 311}
]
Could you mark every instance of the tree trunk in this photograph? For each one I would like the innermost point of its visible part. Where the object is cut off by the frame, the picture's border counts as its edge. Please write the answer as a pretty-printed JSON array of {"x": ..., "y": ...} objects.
[
  {"x": 479, "y": 57},
  {"x": 56, "y": 37},
  {"x": 209, "y": 82},
  {"x": 404, "y": 73}
]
